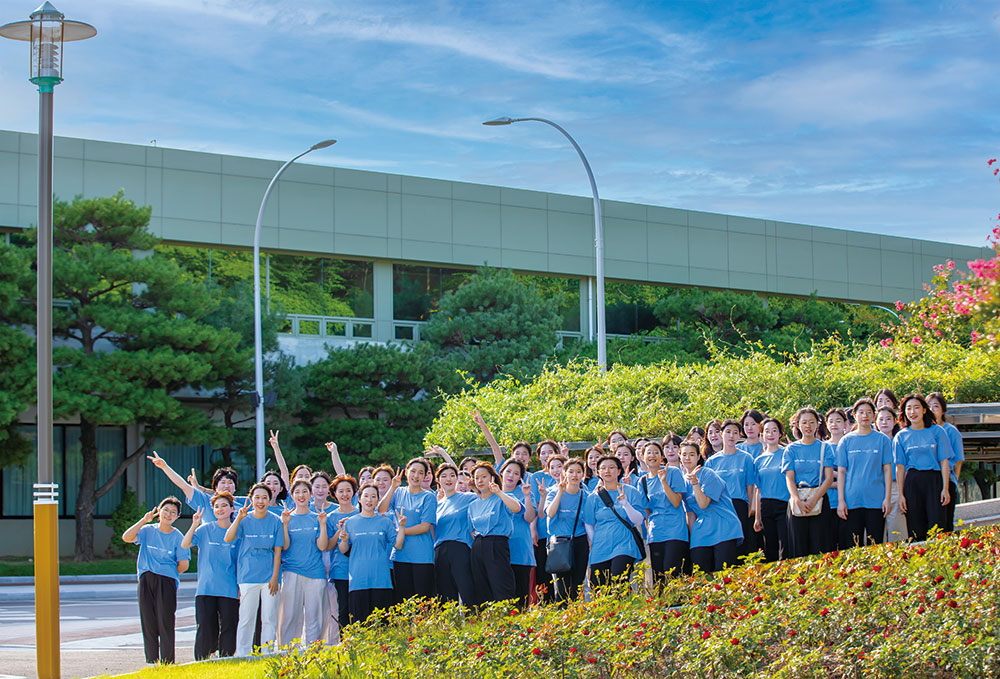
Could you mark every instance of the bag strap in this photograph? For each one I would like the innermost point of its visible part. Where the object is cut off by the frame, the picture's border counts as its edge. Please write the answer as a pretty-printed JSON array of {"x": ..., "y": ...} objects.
[
  {"x": 645, "y": 488},
  {"x": 572, "y": 533},
  {"x": 609, "y": 503}
]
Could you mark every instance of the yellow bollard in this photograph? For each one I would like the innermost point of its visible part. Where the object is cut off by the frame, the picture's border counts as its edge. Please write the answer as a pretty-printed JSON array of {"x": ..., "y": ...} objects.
[{"x": 47, "y": 588}]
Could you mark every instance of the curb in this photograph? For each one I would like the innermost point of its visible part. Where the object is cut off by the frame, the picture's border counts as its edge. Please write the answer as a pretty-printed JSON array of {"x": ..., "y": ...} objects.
[{"x": 25, "y": 592}]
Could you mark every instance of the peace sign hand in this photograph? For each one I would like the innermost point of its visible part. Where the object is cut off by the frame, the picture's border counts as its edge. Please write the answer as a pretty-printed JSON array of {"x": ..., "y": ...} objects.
[
  {"x": 157, "y": 461},
  {"x": 401, "y": 518},
  {"x": 397, "y": 480},
  {"x": 151, "y": 515},
  {"x": 331, "y": 446},
  {"x": 321, "y": 516},
  {"x": 494, "y": 488},
  {"x": 273, "y": 440},
  {"x": 478, "y": 418},
  {"x": 242, "y": 514},
  {"x": 286, "y": 516},
  {"x": 192, "y": 478},
  {"x": 541, "y": 488},
  {"x": 562, "y": 483},
  {"x": 564, "y": 449},
  {"x": 342, "y": 529},
  {"x": 196, "y": 518},
  {"x": 621, "y": 495}
]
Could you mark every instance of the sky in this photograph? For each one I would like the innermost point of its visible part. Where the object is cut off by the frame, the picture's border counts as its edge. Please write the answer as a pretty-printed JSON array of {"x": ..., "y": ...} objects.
[{"x": 863, "y": 115}]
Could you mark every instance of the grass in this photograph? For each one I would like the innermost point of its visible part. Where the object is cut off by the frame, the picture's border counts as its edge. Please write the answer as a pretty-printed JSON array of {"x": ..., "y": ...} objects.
[
  {"x": 221, "y": 669},
  {"x": 10, "y": 567}
]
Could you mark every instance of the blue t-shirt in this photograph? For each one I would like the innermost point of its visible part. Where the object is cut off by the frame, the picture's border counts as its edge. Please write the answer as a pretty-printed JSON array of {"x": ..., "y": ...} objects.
[
  {"x": 562, "y": 523},
  {"x": 418, "y": 508},
  {"x": 303, "y": 556},
  {"x": 453, "y": 519},
  {"x": 770, "y": 478},
  {"x": 863, "y": 457},
  {"x": 372, "y": 538},
  {"x": 203, "y": 501},
  {"x": 216, "y": 561},
  {"x": 522, "y": 551},
  {"x": 737, "y": 470},
  {"x": 921, "y": 449},
  {"x": 752, "y": 449},
  {"x": 160, "y": 552},
  {"x": 338, "y": 560},
  {"x": 804, "y": 460},
  {"x": 718, "y": 521},
  {"x": 665, "y": 522},
  {"x": 258, "y": 538},
  {"x": 611, "y": 537},
  {"x": 591, "y": 483},
  {"x": 957, "y": 448},
  {"x": 542, "y": 522},
  {"x": 490, "y": 516}
]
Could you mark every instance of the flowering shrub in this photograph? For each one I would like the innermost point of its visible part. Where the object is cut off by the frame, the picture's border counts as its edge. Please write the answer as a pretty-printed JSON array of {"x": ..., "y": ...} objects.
[
  {"x": 578, "y": 402},
  {"x": 887, "y": 611},
  {"x": 959, "y": 307}
]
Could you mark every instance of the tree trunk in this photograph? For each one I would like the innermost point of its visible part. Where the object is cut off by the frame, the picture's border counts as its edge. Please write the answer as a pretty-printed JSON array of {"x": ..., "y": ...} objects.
[{"x": 86, "y": 497}]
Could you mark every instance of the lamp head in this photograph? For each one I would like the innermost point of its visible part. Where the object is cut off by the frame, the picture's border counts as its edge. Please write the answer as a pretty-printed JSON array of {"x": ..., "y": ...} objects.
[
  {"x": 47, "y": 31},
  {"x": 323, "y": 144},
  {"x": 500, "y": 121}
]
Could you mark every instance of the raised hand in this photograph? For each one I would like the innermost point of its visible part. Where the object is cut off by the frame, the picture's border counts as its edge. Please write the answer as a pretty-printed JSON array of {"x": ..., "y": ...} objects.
[
  {"x": 331, "y": 446},
  {"x": 621, "y": 495},
  {"x": 541, "y": 488},
  {"x": 440, "y": 494},
  {"x": 397, "y": 480},
  {"x": 151, "y": 515},
  {"x": 627, "y": 479},
  {"x": 401, "y": 518},
  {"x": 342, "y": 529},
  {"x": 157, "y": 461},
  {"x": 242, "y": 514},
  {"x": 562, "y": 483},
  {"x": 192, "y": 478},
  {"x": 494, "y": 488},
  {"x": 286, "y": 516},
  {"x": 526, "y": 491},
  {"x": 273, "y": 440},
  {"x": 196, "y": 518},
  {"x": 478, "y": 418},
  {"x": 564, "y": 449},
  {"x": 321, "y": 516},
  {"x": 662, "y": 474}
]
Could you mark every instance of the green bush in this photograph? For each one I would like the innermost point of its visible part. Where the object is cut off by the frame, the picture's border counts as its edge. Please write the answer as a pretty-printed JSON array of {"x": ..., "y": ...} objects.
[
  {"x": 895, "y": 610},
  {"x": 128, "y": 511},
  {"x": 577, "y": 402}
]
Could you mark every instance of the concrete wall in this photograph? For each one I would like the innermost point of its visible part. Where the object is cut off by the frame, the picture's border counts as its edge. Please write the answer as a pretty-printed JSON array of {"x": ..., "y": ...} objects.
[{"x": 212, "y": 199}]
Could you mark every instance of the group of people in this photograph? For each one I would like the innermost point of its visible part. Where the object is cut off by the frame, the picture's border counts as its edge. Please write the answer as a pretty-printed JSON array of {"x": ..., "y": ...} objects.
[{"x": 304, "y": 553}]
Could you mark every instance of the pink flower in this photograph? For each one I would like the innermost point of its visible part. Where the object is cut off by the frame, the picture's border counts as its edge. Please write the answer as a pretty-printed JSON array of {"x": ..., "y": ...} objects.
[
  {"x": 917, "y": 340},
  {"x": 899, "y": 305}
]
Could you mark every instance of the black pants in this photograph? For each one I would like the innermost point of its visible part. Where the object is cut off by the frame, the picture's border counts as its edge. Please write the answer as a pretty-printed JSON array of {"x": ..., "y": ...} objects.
[
  {"x": 522, "y": 585},
  {"x": 863, "y": 527},
  {"x": 605, "y": 572},
  {"x": 949, "y": 511},
  {"x": 157, "y": 606},
  {"x": 807, "y": 533},
  {"x": 746, "y": 523},
  {"x": 667, "y": 557},
  {"x": 453, "y": 572},
  {"x": 716, "y": 557},
  {"x": 568, "y": 584},
  {"x": 922, "y": 490},
  {"x": 775, "y": 532},
  {"x": 492, "y": 574},
  {"x": 543, "y": 579},
  {"x": 343, "y": 603},
  {"x": 834, "y": 527},
  {"x": 364, "y": 601},
  {"x": 217, "y": 617},
  {"x": 413, "y": 579}
]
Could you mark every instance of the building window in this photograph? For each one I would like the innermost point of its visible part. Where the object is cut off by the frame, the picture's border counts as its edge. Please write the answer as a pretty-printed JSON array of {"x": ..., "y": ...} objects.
[{"x": 416, "y": 290}]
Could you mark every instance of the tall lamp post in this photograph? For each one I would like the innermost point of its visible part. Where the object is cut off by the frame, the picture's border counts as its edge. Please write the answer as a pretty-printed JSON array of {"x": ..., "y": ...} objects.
[
  {"x": 258, "y": 352},
  {"x": 602, "y": 345},
  {"x": 47, "y": 30}
]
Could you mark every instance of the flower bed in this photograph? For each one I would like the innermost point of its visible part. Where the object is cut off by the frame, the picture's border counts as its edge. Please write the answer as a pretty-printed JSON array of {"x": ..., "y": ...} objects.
[{"x": 928, "y": 610}]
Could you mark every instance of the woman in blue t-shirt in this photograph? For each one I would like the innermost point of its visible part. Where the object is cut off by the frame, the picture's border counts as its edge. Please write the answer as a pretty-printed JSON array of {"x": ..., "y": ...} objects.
[
  {"x": 592, "y": 456},
  {"x": 663, "y": 490},
  {"x": 552, "y": 462},
  {"x": 366, "y": 538},
  {"x": 217, "y": 601},
  {"x": 492, "y": 516},
  {"x": 922, "y": 454},
  {"x": 737, "y": 469},
  {"x": 608, "y": 514},
  {"x": 770, "y": 520},
  {"x": 453, "y": 538},
  {"x": 258, "y": 568},
  {"x": 864, "y": 479},
  {"x": 160, "y": 562},
  {"x": 716, "y": 532},
  {"x": 413, "y": 565},
  {"x": 563, "y": 508},
  {"x": 808, "y": 466},
  {"x": 303, "y": 605},
  {"x": 939, "y": 406},
  {"x": 343, "y": 489},
  {"x": 522, "y": 552}
]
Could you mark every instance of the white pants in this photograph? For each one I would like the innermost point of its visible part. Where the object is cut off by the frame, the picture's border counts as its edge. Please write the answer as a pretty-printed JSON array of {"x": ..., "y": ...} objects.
[
  {"x": 331, "y": 614},
  {"x": 895, "y": 523},
  {"x": 253, "y": 595},
  {"x": 301, "y": 598}
]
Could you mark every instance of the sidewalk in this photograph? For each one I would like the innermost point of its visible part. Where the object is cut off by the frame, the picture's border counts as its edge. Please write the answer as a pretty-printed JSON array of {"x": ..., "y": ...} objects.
[{"x": 86, "y": 588}]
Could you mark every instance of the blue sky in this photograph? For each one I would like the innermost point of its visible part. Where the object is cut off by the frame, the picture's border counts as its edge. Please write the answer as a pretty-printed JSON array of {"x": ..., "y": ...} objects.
[{"x": 876, "y": 116}]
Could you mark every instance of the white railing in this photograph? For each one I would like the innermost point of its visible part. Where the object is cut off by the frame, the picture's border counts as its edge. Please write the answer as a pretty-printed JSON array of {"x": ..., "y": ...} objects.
[{"x": 345, "y": 327}]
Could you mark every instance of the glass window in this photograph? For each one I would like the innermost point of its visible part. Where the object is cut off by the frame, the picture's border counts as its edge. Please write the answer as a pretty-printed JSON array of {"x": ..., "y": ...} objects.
[
  {"x": 416, "y": 290},
  {"x": 629, "y": 307}
]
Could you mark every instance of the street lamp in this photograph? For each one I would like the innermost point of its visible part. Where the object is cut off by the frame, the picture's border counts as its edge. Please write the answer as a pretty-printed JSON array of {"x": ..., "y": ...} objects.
[
  {"x": 602, "y": 348},
  {"x": 47, "y": 30},
  {"x": 258, "y": 352}
]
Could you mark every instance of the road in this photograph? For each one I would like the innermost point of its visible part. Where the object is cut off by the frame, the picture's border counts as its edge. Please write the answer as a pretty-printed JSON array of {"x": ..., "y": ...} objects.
[{"x": 99, "y": 635}]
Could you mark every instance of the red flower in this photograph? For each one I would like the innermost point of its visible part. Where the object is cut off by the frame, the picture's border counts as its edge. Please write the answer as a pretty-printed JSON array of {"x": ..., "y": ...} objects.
[
  {"x": 791, "y": 633},
  {"x": 921, "y": 551},
  {"x": 921, "y": 609},
  {"x": 706, "y": 634},
  {"x": 573, "y": 649},
  {"x": 958, "y": 575},
  {"x": 727, "y": 580},
  {"x": 991, "y": 161},
  {"x": 803, "y": 590},
  {"x": 965, "y": 543},
  {"x": 868, "y": 583},
  {"x": 410, "y": 639},
  {"x": 876, "y": 568},
  {"x": 952, "y": 604},
  {"x": 939, "y": 595},
  {"x": 591, "y": 659},
  {"x": 757, "y": 598},
  {"x": 938, "y": 579},
  {"x": 801, "y": 580},
  {"x": 824, "y": 612},
  {"x": 734, "y": 641},
  {"x": 847, "y": 629},
  {"x": 427, "y": 651},
  {"x": 969, "y": 640},
  {"x": 536, "y": 651}
]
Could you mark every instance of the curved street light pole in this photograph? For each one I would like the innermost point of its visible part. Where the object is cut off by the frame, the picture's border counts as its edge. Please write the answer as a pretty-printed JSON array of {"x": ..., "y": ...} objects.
[
  {"x": 602, "y": 345},
  {"x": 258, "y": 353}
]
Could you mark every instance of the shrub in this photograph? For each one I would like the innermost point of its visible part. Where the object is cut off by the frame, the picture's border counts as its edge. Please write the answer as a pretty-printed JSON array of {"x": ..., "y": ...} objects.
[{"x": 128, "y": 511}]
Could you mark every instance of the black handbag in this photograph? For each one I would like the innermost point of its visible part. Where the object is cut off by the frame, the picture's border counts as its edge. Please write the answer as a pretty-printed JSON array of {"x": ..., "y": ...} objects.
[
  {"x": 559, "y": 554},
  {"x": 609, "y": 503}
]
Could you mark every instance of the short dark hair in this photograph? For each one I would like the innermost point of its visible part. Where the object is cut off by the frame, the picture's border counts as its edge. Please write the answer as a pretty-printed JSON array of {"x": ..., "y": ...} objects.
[
  {"x": 618, "y": 463},
  {"x": 345, "y": 478},
  {"x": 223, "y": 495},
  {"x": 260, "y": 484},
  {"x": 225, "y": 473},
  {"x": 170, "y": 500}
]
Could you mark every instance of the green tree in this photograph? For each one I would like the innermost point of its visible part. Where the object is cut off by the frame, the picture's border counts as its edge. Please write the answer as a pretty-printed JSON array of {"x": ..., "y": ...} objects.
[
  {"x": 376, "y": 402},
  {"x": 493, "y": 323},
  {"x": 131, "y": 336},
  {"x": 17, "y": 376}
]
